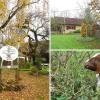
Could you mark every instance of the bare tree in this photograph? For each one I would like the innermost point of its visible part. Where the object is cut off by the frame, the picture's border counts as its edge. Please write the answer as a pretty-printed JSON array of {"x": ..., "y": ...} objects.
[{"x": 38, "y": 25}]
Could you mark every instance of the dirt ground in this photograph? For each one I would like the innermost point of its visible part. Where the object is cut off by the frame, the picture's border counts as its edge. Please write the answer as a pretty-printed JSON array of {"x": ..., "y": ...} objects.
[{"x": 33, "y": 87}]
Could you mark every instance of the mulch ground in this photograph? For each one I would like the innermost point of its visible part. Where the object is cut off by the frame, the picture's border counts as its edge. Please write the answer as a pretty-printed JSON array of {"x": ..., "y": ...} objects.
[{"x": 32, "y": 87}]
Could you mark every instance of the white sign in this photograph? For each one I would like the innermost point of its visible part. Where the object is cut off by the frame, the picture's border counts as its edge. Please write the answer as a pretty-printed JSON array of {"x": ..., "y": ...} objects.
[{"x": 8, "y": 53}]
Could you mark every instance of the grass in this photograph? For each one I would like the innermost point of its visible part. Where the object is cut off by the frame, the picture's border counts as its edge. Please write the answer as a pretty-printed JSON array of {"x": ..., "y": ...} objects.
[
  {"x": 71, "y": 41},
  {"x": 69, "y": 79},
  {"x": 24, "y": 69}
]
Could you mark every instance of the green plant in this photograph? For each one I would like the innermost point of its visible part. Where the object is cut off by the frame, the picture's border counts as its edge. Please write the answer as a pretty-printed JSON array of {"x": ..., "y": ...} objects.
[
  {"x": 44, "y": 71},
  {"x": 90, "y": 30},
  {"x": 24, "y": 69},
  {"x": 77, "y": 31},
  {"x": 38, "y": 62},
  {"x": 70, "y": 80},
  {"x": 33, "y": 70},
  {"x": 28, "y": 65}
]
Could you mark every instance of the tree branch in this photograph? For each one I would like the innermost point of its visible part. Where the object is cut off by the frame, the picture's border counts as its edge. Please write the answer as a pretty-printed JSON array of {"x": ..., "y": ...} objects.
[{"x": 13, "y": 13}]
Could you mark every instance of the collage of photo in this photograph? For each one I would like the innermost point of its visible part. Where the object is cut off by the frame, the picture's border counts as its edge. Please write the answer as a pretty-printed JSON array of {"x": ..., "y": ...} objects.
[{"x": 49, "y": 49}]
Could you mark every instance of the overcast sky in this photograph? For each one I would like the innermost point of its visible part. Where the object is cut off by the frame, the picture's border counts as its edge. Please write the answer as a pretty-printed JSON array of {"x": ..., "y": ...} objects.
[{"x": 68, "y": 5}]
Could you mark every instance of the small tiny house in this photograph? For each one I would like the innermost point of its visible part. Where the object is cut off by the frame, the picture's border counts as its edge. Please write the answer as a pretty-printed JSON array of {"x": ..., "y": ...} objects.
[
  {"x": 72, "y": 24},
  {"x": 66, "y": 24}
]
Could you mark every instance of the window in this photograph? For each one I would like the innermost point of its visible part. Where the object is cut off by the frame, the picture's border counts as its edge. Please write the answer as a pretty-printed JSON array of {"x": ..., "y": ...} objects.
[{"x": 70, "y": 27}]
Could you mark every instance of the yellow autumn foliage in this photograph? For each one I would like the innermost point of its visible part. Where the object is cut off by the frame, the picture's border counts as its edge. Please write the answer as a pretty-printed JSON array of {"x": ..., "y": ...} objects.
[
  {"x": 14, "y": 39},
  {"x": 20, "y": 18},
  {"x": 21, "y": 14},
  {"x": 3, "y": 8},
  {"x": 24, "y": 2},
  {"x": 84, "y": 29},
  {"x": 95, "y": 5}
]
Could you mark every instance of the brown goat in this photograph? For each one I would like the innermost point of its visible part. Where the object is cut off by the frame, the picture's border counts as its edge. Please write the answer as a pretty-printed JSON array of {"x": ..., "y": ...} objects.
[{"x": 94, "y": 64}]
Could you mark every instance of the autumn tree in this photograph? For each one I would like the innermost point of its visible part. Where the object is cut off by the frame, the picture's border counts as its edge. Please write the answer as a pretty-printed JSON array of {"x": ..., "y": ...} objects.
[
  {"x": 10, "y": 13},
  {"x": 95, "y": 8},
  {"x": 89, "y": 19},
  {"x": 84, "y": 29},
  {"x": 24, "y": 18},
  {"x": 12, "y": 17},
  {"x": 21, "y": 19},
  {"x": 94, "y": 28}
]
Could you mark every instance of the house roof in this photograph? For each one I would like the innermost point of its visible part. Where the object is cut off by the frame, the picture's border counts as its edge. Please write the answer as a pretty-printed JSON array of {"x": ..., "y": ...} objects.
[
  {"x": 68, "y": 21},
  {"x": 73, "y": 21}
]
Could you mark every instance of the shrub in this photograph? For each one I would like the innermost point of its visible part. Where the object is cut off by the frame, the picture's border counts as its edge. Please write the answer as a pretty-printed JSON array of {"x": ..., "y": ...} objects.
[
  {"x": 94, "y": 27},
  {"x": 89, "y": 30},
  {"x": 44, "y": 71},
  {"x": 84, "y": 30},
  {"x": 28, "y": 65},
  {"x": 77, "y": 31},
  {"x": 33, "y": 70},
  {"x": 24, "y": 69},
  {"x": 69, "y": 79},
  {"x": 38, "y": 62}
]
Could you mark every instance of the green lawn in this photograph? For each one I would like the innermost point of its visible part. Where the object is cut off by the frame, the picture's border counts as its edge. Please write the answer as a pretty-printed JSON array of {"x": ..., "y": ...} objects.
[{"x": 71, "y": 41}]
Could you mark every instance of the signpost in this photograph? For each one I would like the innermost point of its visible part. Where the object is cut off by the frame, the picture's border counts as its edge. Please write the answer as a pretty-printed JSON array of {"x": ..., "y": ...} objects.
[{"x": 8, "y": 53}]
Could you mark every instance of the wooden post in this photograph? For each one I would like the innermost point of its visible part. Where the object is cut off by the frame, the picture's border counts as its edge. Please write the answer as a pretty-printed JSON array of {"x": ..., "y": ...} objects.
[
  {"x": 17, "y": 75},
  {"x": 0, "y": 76},
  {"x": 1, "y": 71}
]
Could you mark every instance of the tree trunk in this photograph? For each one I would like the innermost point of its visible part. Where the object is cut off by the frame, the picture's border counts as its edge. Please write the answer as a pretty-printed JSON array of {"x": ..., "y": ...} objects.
[
  {"x": 33, "y": 60},
  {"x": 0, "y": 76},
  {"x": 33, "y": 48}
]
